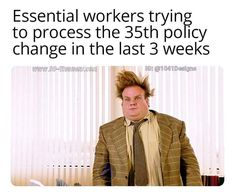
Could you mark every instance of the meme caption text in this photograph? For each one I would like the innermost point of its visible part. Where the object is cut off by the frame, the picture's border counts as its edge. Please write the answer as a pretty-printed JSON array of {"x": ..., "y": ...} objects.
[{"x": 115, "y": 32}]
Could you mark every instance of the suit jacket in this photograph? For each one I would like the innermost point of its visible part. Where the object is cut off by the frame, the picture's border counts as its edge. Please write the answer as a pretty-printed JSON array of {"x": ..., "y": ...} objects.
[{"x": 178, "y": 162}]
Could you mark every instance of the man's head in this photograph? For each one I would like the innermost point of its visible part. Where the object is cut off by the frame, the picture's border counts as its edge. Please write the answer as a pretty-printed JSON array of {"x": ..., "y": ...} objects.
[{"x": 134, "y": 92}]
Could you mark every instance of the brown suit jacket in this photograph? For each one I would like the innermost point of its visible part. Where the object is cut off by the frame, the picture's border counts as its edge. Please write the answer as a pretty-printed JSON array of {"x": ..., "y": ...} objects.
[{"x": 178, "y": 162}]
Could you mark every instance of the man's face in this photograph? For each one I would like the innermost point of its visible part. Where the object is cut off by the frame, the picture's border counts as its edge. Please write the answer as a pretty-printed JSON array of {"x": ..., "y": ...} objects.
[{"x": 134, "y": 104}]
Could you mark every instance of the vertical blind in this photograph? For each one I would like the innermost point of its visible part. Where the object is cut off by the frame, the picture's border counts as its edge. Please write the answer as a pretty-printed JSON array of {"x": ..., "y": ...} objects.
[{"x": 56, "y": 117}]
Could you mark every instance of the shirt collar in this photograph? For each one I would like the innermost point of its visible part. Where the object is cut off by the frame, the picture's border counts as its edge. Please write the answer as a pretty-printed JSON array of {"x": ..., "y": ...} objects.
[{"x": 128, "y": 122}]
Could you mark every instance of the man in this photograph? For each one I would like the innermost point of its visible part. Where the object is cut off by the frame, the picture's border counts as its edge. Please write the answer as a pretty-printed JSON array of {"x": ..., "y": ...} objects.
[{"x": 144, "y": 147}]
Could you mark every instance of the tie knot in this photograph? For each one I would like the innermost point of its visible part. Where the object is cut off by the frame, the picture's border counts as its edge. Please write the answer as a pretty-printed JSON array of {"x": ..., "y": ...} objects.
[{"x": 137, "y": 124}]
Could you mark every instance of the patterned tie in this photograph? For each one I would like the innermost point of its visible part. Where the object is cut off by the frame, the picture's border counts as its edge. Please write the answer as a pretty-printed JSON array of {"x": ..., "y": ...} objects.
[{"x": 140, "y": 169}]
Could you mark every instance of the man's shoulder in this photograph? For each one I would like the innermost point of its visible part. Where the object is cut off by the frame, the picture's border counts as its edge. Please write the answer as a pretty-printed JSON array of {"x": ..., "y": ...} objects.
[
  {"x": 166, "y": 118},
  {"x": 113, "y": 123}
]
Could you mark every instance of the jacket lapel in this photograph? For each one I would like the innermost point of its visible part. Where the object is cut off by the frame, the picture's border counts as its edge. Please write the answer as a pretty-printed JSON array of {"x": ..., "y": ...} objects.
[
  {"x": 165, "y": 137},
  {"x": 119, "y": 140}
]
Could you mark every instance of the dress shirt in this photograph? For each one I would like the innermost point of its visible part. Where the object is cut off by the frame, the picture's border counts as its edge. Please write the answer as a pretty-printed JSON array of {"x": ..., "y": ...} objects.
[{"x": 149, "y": 132}]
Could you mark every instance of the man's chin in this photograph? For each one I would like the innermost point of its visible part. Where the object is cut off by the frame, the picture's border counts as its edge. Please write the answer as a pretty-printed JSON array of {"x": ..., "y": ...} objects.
[{"x": 134, "y": 117}]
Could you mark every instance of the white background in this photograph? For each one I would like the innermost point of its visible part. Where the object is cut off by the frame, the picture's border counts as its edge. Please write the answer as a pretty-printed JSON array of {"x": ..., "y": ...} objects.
[{"x": 216, "y": 16}]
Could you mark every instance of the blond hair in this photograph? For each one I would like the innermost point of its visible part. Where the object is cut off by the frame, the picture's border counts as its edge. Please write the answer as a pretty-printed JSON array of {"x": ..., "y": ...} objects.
[{"x": 128, "y": 79}]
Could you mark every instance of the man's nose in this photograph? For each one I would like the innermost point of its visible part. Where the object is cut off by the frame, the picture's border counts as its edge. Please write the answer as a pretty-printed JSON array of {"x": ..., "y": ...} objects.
[{"x": 133, "y": 102}]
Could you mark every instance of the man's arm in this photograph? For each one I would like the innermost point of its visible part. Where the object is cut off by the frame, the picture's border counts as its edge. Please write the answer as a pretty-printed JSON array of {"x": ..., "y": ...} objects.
[
  {"x": 101, "y": 168},
  {"x": 189, "y": 165}
]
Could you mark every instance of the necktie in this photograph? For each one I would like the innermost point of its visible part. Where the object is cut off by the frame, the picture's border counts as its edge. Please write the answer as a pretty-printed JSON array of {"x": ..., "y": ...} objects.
[{"x": 139, "y": 176}]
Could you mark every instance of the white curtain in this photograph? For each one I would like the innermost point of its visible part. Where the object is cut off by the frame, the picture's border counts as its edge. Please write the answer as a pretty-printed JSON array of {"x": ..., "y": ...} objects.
[
  {"x": 56, "y": 116},
  {"x": 55, "y": 120}
]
